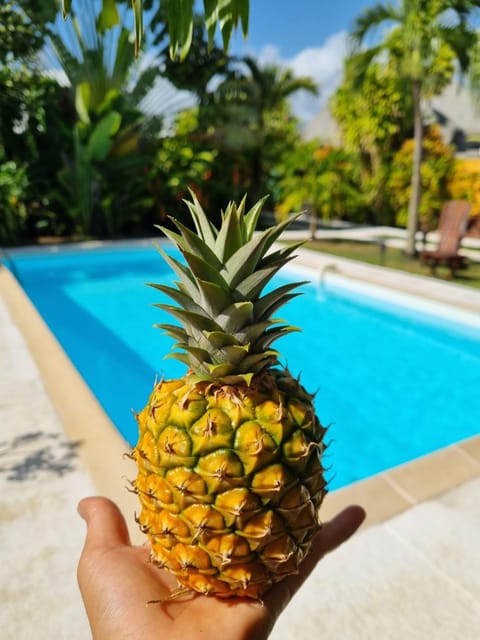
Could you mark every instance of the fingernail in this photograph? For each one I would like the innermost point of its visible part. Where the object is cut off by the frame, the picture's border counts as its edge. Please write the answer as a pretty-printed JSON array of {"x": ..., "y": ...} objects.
[{"x": 80, "y": 509}]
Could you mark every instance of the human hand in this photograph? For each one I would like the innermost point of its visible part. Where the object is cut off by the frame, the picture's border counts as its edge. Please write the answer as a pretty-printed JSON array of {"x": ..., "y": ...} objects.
[{"x": 117, "y": 581}]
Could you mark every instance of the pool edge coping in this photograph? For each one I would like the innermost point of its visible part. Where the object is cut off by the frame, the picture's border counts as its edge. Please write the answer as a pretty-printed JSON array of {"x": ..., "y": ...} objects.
[
  {"x": 426, "y": 289},
  {"x": 83, "y": 419}
]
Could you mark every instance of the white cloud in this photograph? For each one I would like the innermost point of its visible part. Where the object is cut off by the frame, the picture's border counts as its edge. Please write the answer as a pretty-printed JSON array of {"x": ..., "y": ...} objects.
[{"x": 324, "y": 64}]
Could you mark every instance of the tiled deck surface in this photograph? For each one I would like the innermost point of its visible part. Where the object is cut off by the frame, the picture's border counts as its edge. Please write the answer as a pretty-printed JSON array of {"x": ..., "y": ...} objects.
[
  {"x": 41, "y": 481},
  {"x": 413, "y": 571}
]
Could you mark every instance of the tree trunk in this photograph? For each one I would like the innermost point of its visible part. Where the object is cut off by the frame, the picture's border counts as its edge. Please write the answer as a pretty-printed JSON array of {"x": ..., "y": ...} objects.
[
  {"x": 416, "y": 185},
  {"x": 313, "y": 222},
  {"x": 257, "y": 175},
  {"x": 257, "y": 162}
]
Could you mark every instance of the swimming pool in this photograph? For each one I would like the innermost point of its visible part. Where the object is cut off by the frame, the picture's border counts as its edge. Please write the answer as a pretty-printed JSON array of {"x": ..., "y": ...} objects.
[{"x": 393, "y": 383}]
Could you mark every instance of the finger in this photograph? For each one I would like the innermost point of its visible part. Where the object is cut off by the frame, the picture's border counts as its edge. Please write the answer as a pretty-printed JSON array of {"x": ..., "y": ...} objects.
[
  {"x": 330, "y": 536},
  {"x": 337, "y": 531},
  {"x": 106, "y": 527}
]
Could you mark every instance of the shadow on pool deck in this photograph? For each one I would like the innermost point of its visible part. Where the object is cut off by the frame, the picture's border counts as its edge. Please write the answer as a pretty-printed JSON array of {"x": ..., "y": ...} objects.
[{"x": 413, "y": 569}]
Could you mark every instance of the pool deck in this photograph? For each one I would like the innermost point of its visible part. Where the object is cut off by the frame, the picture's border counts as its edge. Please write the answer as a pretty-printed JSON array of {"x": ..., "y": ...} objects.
[{"x": 412, "y": 571}]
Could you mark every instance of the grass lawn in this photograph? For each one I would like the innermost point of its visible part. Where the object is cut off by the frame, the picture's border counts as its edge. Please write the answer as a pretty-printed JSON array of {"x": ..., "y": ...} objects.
[{"x": 393, "y": 258}]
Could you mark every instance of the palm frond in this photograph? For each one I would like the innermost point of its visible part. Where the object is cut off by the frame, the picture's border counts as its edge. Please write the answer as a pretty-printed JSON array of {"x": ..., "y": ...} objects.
[
  {"x": 462, "y": 41},
  {"x": 360, "y": 62},
  {"x": 144, "y": 84},
  {"x": 225, "y": 14},
  {"x": 124, "y": 59},
  {"x": 474, "y": 74},
  {"x": 371, "y": 18}
]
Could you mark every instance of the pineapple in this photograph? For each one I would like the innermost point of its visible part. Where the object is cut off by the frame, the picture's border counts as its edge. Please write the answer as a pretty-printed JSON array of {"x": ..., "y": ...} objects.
[{"x": 230, "y": 477}]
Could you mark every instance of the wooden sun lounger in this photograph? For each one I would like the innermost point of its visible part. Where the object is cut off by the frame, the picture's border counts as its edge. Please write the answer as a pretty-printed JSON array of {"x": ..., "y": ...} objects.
[{"x": 451, "y": 229}]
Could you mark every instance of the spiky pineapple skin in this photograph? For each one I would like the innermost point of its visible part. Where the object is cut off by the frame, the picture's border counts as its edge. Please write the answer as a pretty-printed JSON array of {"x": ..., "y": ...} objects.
[{"x": 230, "y": 481}]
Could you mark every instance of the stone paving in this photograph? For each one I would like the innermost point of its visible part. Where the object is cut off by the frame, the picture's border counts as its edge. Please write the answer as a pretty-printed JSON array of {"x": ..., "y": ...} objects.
[
  {"x": 415, "y": 576},
  {"x": 41, "y": 481}
]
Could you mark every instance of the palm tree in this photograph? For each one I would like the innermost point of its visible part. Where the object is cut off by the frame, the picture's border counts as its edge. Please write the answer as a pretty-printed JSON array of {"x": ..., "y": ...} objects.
[
  {"x": 424, "y": 39},
  {"x": 272, "y": 85},
  {"x": 248, "y": 94}
]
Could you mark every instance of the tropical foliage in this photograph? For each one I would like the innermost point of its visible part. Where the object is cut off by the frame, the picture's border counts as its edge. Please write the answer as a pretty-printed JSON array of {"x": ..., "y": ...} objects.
[
  {"x": 437, "y": 167},
  {"x": 244, "y": 118},
  {"x": 179, "y": 17},
  {"x": 34, "y": 111},
  {"x": 13, "y": 187},
  {"x": 81, "y": 156},
  {"x": 106, "y": 85},
  {"x": 180, "y": 163},
  {"x": 323, "y": 181},
  {"x": 465, "y": 182},
  {"x": 243, "y": 115},
  {"x": 423, "y": 40},
  {"x": 374, "y": 121},
  {"x": 97, "y": 139}
]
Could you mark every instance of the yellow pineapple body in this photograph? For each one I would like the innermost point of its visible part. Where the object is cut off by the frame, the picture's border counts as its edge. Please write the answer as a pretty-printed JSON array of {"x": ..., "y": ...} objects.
[
  {"x": 229, "y": 457},
  {"x": 230, "y": 481}
]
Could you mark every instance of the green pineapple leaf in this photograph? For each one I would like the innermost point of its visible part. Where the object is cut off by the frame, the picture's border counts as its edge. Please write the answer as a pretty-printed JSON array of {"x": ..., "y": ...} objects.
[
  {"x": 182, "y": 272},
  {"x": 230, "y": 236},
  {"x": 227, "y": 325},
  {"x": 252, "y": 286},
  {"x": 269, "y": 303},
  {"x": 214, "y": 298},
  {"x": 204, "y": 270},
  {"x": 232, "y": 354},
  {"x": 252, "y": 217},
  {"x": 173, "y": 331},
  {"x": 183, "y": 299},
  {"x": 191, "y": 242},
  {"x": 190, "y": 319},
  {"x": 273, "y": 334},
  {"x": 236, "y": 316},
  {"x": 219, "y": 339},
  {"x": 204, "y": 227}
]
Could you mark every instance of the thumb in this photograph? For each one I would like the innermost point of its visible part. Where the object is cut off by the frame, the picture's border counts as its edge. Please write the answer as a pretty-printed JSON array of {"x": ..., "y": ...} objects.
[{"x": 106, "y": 527}]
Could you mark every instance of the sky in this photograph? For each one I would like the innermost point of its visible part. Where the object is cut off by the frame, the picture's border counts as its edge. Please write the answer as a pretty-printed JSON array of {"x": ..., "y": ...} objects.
[{"x": 308, "y": 36}]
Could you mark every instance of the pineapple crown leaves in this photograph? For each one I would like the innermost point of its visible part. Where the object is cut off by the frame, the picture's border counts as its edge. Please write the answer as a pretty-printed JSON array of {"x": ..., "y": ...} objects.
[{"x": 226, "y": 323}]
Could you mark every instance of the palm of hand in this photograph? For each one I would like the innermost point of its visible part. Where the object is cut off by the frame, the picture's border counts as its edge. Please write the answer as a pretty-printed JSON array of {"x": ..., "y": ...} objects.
[
  {"x": 121, "y": 581},
  {"x": 117, "y": 582}
]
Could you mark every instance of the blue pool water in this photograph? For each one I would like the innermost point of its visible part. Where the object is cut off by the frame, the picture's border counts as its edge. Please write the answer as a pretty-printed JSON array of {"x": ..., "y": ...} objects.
[{"x": 392, "y": 383}]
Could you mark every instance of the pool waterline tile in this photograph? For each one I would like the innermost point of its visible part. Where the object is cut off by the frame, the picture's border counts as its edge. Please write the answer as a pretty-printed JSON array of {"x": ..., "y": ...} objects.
[
  {"x": 471, "y": 448},
  {"x": 460, "y": 300},
  {"x": 430, "y": 475},
  {"x": 376, "y": 495}
]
